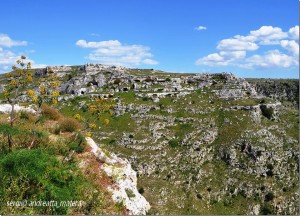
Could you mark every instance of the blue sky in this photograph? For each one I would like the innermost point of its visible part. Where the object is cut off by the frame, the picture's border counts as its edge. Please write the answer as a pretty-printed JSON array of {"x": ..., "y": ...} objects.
[{"x": 251, "y": 38}]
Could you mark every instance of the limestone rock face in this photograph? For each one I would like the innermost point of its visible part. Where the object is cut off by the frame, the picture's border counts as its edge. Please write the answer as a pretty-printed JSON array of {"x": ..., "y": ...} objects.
[
  {"x": 59, "y": 68},
  {"x": 6, "y": 108},
  {"x": 277, "y": 89},
  {"x": 125, "y": 187}
]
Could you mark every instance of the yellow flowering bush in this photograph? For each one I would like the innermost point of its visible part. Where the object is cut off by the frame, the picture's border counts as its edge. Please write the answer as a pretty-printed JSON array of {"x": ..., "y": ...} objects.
[
  {"x": 54, "y": 84},
  {"x": 54, "y": 101},
  {"x": 88, "y": 134},
  {"x": 92, "y": 126},
  {"x": 93, "y": 108},
  {"x": 14, "y": 82},
  {"x": 43, "y": 89},
  {"x": 77, "y": 116},
  {"x": 29, "y": 79},
  {"x": 106, "y": 121},
  {"x": 55, "y": 93},
  {"x": 34, "y": 99},
  {"x": 30, "y": 93},
  {"x": 8, "y": 75}
]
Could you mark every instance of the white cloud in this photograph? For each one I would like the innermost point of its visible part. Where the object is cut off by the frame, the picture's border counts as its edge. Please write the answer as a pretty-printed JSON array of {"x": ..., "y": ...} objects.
[
  {"x": 150, "y": 62},
  {"x": 6, "y": 41},
  {"x": 272, "y": 59},
  {"x": 200, "y": 28},
  {"x": 223, "y": 58},
  {"x": 291, "y": 46},
  {"x": 109, "y": 43},
  {"x": 114, "y": 52},
  {"x": 236, "y": 44},
  {"x": 267, "y": 35},
  {"x": 294, "y": 33},
  {"x": 9, "y": 58},
  {"x": 212, "y": 60},
  {"x": 233, "y": 51},
  {"x": 233, "y": 54}
]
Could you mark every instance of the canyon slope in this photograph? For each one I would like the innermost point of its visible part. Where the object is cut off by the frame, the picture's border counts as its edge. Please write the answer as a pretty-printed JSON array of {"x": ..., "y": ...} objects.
[{"x": 199, "y": 143}]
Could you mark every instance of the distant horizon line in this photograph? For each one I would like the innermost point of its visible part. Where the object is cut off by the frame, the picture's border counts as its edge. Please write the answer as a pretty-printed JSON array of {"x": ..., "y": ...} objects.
[{"x": 181, "y": 72}]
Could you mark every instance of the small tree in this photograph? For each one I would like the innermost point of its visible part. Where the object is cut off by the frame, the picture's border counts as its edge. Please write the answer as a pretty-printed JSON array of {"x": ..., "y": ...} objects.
[
  {"x": 22, "y": 77},
  {"x": 17, "y": 79}
]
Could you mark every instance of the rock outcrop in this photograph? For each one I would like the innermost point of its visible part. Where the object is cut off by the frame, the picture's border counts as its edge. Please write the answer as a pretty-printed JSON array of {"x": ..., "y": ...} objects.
[
  {"x": 6, "y": 108},
  {"x": 277, "y": 89},
  {"x": 124, "y": 189}
]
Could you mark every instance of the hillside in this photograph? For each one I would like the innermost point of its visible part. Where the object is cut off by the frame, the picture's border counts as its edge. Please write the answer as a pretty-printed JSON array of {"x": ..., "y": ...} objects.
[{"x": 200, "y": 143}]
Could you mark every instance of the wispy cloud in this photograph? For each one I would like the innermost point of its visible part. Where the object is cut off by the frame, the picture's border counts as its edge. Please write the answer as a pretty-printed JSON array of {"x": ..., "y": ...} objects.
[
  {"x": 114, "y": 52},
  {"x": 200, "y": 28},
  {"x": 94, "y": 34},
  {"x": 233, "y": 51},
  {"x": 8, "y": 57},
  {"x": 6, "y": 41},
  {"x": 150, "y": 62}
]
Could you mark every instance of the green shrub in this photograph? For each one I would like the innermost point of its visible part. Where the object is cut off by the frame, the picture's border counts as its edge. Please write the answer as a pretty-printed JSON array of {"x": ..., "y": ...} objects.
[
  {"x": 69, "y": 125},
  {"x": 269, "y": 196},
  {"x": 141, "y": 190},
  {"x": 145, "y": 98},
  {"x": 263, "y": 101},
  {"x": 7, "y": 129},
  {"x": 173, "y": 143},
  {"x": 270, "y": 166},
  {"x": 219, "y": 77},
  {"x": 112, "y": 141},
  {"x": 85, "y": 108},
  {"x": 266, "y": 209},
  {"x": 77, "y": 143},
  {"x": 199, "y": 196}
]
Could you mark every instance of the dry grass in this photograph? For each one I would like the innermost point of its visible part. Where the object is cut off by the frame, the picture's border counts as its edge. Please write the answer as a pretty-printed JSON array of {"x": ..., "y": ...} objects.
[
  {"x": 69, "y": 125},
  {"x": 50, "y": 112}
]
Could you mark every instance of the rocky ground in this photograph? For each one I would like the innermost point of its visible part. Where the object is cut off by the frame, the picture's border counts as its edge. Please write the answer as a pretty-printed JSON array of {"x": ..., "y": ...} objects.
[{"x": 200, "y": 143}]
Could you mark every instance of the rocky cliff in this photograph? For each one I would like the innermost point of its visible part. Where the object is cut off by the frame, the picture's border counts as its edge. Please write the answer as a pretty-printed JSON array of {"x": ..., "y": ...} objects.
[{"x": 279, "y": 89}]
